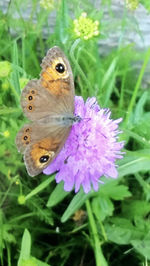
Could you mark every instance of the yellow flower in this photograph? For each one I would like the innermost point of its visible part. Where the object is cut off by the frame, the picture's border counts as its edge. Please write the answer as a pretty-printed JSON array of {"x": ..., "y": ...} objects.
[
  {"x": 132, "y": 4},
  {"x": 6, "y": 133},
  {"x": 85, "y": 28},
  {"x": 47, "y": 4},
  {"x": 5, "y": 69}
]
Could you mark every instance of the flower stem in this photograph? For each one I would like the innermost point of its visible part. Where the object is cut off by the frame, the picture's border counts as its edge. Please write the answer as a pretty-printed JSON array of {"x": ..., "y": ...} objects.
[
  {"x": 99, "y": 257},
  {"x": 132, "y": 102},
  {"x": 7, "y": 192},
  {"x": 39, "y": 188},
  {"x": 72, "y": 55}
]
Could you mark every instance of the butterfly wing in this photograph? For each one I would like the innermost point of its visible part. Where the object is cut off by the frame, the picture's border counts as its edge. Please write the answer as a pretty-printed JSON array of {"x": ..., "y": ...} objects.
[
  {"x": 40, "y": 144},
  {"x": 44, "y": 101},
  {"x": 53, "y": 93}
]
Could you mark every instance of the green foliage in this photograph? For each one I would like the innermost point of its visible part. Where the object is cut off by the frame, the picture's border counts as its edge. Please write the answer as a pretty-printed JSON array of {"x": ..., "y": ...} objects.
[
  {"x": 113, "y": 222},
  {"x": 25, "y": 258}
]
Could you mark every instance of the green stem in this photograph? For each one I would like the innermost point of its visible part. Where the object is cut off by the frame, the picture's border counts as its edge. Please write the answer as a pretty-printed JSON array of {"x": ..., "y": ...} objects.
[
  {"x": 39, "y": 188},
  {"x": 23, "y": 53},
  {"x": 7, "y": 192},
  {"x": 103, "y": 230},
  {"x": 72, "y": 51},
  {"x": 21, "y": 217},
  {"x": 8, "y": 254},
  {"x": 123, "y": 85},
  {"x": 99, "y": 257},
  {"x": 133, "y": 99}
]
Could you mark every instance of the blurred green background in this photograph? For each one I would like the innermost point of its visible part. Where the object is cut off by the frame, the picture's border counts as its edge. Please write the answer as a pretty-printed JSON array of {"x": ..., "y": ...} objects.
[{"x": 109, "y": 52}]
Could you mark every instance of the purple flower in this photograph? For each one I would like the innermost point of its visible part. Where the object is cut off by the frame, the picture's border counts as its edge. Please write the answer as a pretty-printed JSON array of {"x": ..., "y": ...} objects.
[{"x": 90, "y": 150}]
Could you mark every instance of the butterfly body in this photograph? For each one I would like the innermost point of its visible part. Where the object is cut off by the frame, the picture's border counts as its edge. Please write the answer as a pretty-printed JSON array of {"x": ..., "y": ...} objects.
[
  {"x": 60, "y": 120},
  {"x": 49, "y": 104}
]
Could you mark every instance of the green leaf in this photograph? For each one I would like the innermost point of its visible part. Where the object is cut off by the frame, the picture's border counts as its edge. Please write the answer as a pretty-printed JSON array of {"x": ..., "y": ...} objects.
[
  {"x": 119, "y": 193},
  {"x": 143, "y": 247},
  {"x": 139, "y": 110},
  {"x": 7, "y": 236},
  {"x": 25, "y": 258},
  {"x": 14, "y": 79},
  {"x": 39, "y": 262},
  {"x": 109, "y": 72},
  {"x": 142, "y": 128},
  {"x": 134, "y": 162},
  {"x": 118, "y": 235},
  {"x": 9, "y": 110},
  {"x": 1, "y": 233},
  {"x": 75, "y": 204},
  {"x": 102, "y": 207},
  {"x": 115, "y": 191},
  {"x": 25, "y": 247},
  {"x": 142, "y": 134},
  {"x": 39, "y": 188},
  {"x": 108, "y": 81},
  {"x": 57, "y": 195},
  {"x": 62, "y": 22},
  {"x": 121, "y": 231},
  {"x": 3, "y": 168},
  {"x": 132, "y": 209}
]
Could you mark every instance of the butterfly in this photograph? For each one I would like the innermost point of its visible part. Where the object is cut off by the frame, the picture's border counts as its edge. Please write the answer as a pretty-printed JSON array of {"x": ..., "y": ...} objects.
[{"x": 49, "y": 104}]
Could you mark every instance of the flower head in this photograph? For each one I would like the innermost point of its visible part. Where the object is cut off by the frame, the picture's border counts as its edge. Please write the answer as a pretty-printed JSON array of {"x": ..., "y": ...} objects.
[
  {"x": 85, "y": 28},
  {"x": 21, "y": 199},
  {"x": 132, "y": 4},
  {"x": 47, "y": 4},
  {"x": 90, "y": 150}
]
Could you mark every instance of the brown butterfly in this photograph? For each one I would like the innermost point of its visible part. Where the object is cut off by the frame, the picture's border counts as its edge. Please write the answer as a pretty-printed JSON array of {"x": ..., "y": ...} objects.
[{"x": 49, "y": 104}]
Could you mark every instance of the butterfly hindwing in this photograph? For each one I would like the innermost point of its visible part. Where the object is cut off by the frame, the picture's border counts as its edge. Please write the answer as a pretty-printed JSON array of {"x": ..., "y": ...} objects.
[{"x": 40, "y": 154}]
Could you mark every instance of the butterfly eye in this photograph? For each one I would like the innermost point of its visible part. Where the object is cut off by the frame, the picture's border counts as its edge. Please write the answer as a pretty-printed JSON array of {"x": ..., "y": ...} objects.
[
  {"x": 44, "y": 158},
  {"x": 60, "y": 68}
]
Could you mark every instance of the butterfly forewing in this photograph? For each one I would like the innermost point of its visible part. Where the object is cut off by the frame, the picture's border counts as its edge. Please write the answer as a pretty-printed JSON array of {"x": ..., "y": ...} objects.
[{"x": 53, "y": 93}]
